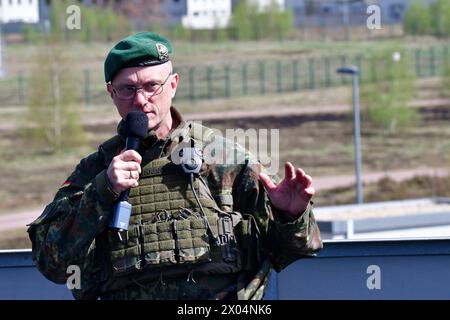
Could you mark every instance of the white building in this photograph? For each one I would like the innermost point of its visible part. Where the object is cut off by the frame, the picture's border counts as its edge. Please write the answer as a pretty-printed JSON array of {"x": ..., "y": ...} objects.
[
  {"x": 206, "y": 14},
  {"x": 263, "y": 5},
  {"x": 26, "y": 11}
]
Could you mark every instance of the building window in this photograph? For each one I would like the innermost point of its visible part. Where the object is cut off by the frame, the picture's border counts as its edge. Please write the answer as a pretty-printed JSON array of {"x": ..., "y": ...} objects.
[{"x": 396, "y": 11}]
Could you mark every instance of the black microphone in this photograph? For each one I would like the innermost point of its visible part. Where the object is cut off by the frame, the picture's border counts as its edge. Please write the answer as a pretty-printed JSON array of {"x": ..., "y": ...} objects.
[{"x": 136, "y": 130}]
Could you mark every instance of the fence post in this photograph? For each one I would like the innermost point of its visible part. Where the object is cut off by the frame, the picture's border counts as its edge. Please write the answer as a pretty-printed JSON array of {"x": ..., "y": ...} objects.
[
  {"x": 418, "y": 66},
  {"x": 359, "y": 65},
  {"x": 446, "y": 55},
  {"x": 279, "y": 77},
  {"x": 20, "y": 88},
  {"x": 227, "y": 80},
  {"x": 244, "y": 79},
  {"x": 87, "y": 87},
  {"x": 432, "y": 62},
  {"x": 327, "y": 72},
  {"x": 191, "y": 83},
  {"x": 373, "y": 69},
  {"x": 261, "y": 77},
  {"x": 343, "y": 63},
  {"x": 209, "y": 81},
  {"x": 295, "y": 75},
  {"x": 311, "y": 73}
]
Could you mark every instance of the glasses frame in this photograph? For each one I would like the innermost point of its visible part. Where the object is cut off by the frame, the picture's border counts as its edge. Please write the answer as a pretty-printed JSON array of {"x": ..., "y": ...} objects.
[{"x": 146, "y": 95}]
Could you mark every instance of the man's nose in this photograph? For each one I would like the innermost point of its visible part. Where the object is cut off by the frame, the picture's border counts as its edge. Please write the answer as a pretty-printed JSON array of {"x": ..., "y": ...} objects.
[{"x": 140, "y": 98}]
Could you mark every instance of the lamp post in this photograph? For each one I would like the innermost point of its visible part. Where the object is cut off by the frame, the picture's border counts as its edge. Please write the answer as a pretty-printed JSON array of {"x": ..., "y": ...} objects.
[
  {"x": 354, "y": 72},
  {"x": 2, "y": 72}
]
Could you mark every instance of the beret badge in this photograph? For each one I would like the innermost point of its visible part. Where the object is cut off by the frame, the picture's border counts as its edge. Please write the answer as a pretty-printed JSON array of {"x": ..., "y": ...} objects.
[{"x": 163, "y": 52}]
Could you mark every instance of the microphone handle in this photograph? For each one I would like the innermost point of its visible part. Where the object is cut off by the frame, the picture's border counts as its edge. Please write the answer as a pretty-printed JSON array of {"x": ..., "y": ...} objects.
[
  {"x": 132, "y": 143},
  {"x": 124, "y": 195},
  {"x": 122, "y": 209}
]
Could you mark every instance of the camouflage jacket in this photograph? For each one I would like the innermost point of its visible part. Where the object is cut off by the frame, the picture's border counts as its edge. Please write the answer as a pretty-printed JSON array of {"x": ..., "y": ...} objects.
[{"x": 69, "y": 231}]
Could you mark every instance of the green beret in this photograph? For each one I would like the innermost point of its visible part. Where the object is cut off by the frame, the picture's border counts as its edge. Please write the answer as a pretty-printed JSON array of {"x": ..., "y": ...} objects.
[{"x": 138, "y": 50}]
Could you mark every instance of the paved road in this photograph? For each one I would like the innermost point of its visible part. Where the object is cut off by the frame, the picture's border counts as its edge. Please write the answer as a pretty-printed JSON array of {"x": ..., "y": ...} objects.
[{"x": 18, "y": 218}]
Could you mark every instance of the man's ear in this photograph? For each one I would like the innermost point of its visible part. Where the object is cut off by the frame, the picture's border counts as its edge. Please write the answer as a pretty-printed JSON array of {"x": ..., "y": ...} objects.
[
  {"x": 109, "y": 88},
  {"x": 174, "y": 83}
]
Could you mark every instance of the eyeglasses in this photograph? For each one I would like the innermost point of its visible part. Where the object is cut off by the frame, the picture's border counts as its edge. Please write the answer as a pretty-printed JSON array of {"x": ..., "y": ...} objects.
[{"x": 149, "y": 90}]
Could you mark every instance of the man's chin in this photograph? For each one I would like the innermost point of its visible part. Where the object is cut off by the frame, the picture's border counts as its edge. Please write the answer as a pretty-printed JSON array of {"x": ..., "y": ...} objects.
[{"x": 153, "y": 124}]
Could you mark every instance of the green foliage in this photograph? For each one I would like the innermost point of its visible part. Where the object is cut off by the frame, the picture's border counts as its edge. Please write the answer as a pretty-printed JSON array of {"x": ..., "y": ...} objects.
[
  {"x": 56, "y": 14},
  {"x": 417, "y": 19},
  {"x": 249, "y": 22},
  {"x": 432, "y": 19},
  {"x": 52, "y": 121},
  {"x": 30, "y": 35},
  {"x": 440, "y": 11},
  {"x": 89, "y": 24},
  {"x": 97, "y": 23},
  {"x": 445, "y": 76},
  {"x": 387, "y": 100},
  {"x": 179, "y": 32},
  {"x": 240, "y": 22}
]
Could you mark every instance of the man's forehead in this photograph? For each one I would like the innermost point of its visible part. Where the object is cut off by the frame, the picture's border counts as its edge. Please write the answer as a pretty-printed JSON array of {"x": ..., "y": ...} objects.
[{"x": 140, "y": 73}]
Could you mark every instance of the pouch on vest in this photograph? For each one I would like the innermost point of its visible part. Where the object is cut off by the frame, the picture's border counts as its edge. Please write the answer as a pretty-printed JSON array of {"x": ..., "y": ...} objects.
[
  {"x": 176, "y": 241},
  {"x": 125, "y": 255}
]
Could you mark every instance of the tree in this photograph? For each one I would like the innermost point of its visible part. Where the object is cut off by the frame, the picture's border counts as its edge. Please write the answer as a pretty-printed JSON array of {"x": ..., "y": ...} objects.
[
  {"x": 249, "y": 21},
  {"x": 440, "y": 11},
  {"x": 52, "y": 121},
  {"x": 387, "y": 100},
  {"x": 417, "y": 19},
  {"x": 240, "y": 22}
]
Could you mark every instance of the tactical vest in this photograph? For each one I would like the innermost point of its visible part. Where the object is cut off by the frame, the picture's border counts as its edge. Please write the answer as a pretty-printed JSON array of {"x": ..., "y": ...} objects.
[{"x": 168, "y": 235}]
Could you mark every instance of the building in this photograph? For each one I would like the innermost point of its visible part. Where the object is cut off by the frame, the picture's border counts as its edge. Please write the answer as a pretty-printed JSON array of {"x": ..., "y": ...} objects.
[
  {"x": 263, "y": 5},
  {"x": 13, "y": 11},
  {"x": 330, "y": 13},
  {"x": 202, "y": 14},
  {"x": 191, "y": 14}
]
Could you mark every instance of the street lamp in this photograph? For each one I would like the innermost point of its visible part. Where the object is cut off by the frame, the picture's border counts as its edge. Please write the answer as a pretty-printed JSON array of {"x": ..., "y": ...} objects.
[{"x": 354, "y": 72}]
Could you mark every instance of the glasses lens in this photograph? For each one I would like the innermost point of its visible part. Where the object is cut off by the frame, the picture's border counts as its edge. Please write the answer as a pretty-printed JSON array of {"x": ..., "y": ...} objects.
[
  {"x": 126, "y": 92},
  {"x": 149, "y": 90}
]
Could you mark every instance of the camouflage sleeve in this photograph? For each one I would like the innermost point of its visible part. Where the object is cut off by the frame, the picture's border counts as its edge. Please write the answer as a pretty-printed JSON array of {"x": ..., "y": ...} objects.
[
  {"x": 65, "y": 232},
  {"x": 285, "y": 241}
]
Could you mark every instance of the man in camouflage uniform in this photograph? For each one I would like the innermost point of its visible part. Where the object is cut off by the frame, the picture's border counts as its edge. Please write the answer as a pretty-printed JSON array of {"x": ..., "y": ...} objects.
[{"x": 167, "y": 252}]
